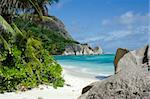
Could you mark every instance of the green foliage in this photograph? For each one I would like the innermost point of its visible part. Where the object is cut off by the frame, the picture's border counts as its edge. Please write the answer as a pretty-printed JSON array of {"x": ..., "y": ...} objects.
[
  {"x": 25, "y": 62},
  {"x": 10, "y": 7},
  {"x": 52, "y": 40}
]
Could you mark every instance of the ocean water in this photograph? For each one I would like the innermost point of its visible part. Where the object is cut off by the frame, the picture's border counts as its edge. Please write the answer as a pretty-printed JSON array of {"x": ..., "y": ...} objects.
[{"x": 96, "y": 65}]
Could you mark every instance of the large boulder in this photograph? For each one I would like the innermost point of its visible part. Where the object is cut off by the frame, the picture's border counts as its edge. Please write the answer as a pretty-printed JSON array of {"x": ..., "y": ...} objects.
[
  {"x": 98, "y": 50},
  {"x": 132, "y": 81},
  {"x": 119, "y": 54},
  {"x": 134, "y": 58}
]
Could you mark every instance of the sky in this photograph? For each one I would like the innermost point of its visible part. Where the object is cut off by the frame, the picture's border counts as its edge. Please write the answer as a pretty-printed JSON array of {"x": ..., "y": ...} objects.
[{"x": 110, "y": 24}]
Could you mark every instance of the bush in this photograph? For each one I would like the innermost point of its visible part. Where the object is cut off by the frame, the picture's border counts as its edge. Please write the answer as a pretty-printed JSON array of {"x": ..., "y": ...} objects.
[{"x": 24, "y": 62}]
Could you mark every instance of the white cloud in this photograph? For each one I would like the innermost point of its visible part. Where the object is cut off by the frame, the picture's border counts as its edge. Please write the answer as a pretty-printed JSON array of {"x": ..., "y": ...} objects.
[
  {"x": 93, "y": 39},
  {"x": 128, "y": 24},
  {"x": 62, "y": 3},
  {"x": 127, "y": 18},
  {"x": 142, "y": 30},
  {"x": 105, "y": 22},
  {"x": 117, "y": 34}
]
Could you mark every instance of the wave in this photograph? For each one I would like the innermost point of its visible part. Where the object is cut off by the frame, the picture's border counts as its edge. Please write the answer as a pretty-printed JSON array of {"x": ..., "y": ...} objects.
[
  {"x": 87, "y": 71},
  {"x": 99, "y": 65}
]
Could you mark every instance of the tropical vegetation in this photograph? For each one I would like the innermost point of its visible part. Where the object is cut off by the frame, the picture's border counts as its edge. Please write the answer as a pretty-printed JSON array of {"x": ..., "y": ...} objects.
[
  {"x": 25, "y": 59},
  {"x": 52, "y": 40}
]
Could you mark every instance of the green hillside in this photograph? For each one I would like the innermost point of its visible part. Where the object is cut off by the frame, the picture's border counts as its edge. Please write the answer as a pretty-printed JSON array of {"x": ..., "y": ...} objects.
[{"x": 53, "y": 39}]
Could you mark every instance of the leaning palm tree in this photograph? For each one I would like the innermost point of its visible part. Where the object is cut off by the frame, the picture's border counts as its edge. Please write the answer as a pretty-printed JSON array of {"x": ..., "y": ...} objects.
[
  {"x": 9, "y": 7},
  {"x": 43, "y": 5}
]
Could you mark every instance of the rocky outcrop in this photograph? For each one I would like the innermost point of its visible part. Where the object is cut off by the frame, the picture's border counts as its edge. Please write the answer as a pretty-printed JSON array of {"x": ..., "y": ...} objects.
[
  {"x": 50, "y": 22},
  {"x": 134, "y": 58},
  {"x": 132, "y": 80},
  {"x": 55, "y": 24},
  {"x": 81, "y": 49},
  {"x": 119, "y": 54},
  {"x": 68, "y": 47}
]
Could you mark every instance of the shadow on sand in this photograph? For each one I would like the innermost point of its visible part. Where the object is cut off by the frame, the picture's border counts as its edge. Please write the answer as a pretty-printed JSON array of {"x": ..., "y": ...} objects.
[{"x": 101, "y": 77}]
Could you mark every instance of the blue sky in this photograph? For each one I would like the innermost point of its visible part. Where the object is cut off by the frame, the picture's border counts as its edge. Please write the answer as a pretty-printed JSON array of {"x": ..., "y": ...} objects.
[{"x": 107, "y": 23}]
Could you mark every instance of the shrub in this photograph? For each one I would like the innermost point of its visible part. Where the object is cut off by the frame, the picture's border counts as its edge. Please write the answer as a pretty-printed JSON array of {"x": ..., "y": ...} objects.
[{"x": 24, "y": 62}]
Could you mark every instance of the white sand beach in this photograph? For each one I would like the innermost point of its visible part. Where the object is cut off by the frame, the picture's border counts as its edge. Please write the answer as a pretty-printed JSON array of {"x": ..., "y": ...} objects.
[{"x": 72, "y": 89}]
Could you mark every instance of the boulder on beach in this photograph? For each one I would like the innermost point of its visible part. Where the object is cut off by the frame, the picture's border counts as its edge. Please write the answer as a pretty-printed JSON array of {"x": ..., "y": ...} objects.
[
  {"x": 119, "y": 54},
  {"x": 132, "y": 81}
]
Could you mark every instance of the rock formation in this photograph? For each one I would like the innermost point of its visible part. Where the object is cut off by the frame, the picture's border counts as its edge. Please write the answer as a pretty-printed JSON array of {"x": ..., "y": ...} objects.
[
  {"x": 119, "y": 54},
  {"x": 51, "y": 23},
  {"x": 132, "y": 81},
  {"x": 81, "y": 49},
  {"x": 71, "y": 48},
  {"x": 55, "y": 24}
]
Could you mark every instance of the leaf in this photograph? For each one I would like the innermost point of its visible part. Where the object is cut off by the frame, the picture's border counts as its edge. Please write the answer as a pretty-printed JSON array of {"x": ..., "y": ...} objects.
[{"x": 6, "y": 26}]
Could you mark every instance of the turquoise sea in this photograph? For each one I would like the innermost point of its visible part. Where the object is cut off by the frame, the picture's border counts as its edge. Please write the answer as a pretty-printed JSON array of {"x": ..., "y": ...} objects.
[{"x": 96, "y": 65}]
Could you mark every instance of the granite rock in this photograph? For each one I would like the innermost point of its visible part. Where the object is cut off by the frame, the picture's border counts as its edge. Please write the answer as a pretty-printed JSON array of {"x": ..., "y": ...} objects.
[
  {"x": 81, "y": 49},
  {"x": 132, "y": 80}
]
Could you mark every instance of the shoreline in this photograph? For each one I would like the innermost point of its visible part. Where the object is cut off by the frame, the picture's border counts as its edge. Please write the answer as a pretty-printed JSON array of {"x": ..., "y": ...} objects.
[
  {"x": 88, "y": 54},
  {"x": 71, "y": 90}
]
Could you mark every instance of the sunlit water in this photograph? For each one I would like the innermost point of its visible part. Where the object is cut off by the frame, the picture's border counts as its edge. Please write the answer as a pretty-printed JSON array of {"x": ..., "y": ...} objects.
[{"x": 101, "y": 65}]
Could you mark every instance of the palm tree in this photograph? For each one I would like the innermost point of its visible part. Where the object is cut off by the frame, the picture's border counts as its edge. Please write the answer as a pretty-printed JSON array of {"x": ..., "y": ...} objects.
[
  {"x": 8, "y": 8},
  {"x": 43, "y": 5}
]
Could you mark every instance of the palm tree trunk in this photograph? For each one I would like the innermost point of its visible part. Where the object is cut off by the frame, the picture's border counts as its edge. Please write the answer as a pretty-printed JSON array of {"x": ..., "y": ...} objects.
[{"x": 46, "y": 11}]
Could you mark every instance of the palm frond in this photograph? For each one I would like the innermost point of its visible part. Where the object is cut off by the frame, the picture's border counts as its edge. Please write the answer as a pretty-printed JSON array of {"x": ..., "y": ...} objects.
[
  {"x": 36, "y": 6},
  {"x": 10, "y": 6},
  {"x": 6, "y": 45},
  {"x": 6, "y": 26}
]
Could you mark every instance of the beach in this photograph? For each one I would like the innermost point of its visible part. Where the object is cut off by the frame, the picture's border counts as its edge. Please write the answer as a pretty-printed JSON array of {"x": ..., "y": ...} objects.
[
  {"x": 71, "y": 90},
  {"x": 78, "y": 72},
  {"x": 74, "y": 49}
]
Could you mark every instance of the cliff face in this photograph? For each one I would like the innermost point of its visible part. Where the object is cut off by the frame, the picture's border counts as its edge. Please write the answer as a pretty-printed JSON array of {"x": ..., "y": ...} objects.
[
  {"x": 72, "y": 48},
  {"x": 81, "y": 49},
  {"x": 131, "y": 81},
  {"x": 55, "y": 24},
  {"x": 48, "y": 22}
]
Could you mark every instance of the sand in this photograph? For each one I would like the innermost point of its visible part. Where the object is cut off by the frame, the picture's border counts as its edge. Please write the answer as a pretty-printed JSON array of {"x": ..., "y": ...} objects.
[{"x": 75, "y": 81}]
